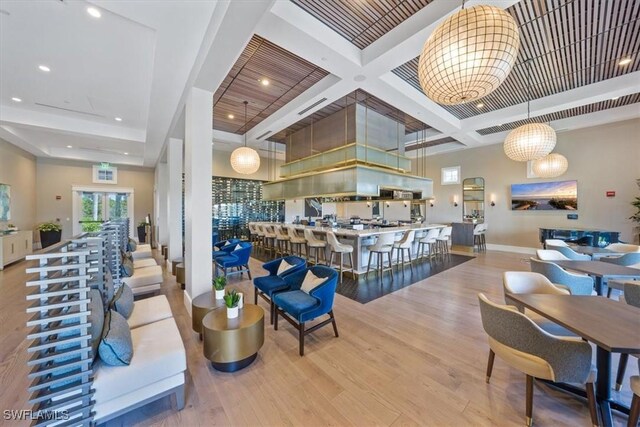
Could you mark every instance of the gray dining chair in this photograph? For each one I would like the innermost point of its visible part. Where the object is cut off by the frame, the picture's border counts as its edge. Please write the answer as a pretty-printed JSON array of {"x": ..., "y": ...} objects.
[
  {"x": 627, "y": 259},
  {"x": 632, "y": 297},
  {"x": 578, "y": 284},
  {"x": 623, "y": 247},
  {"x": 550, "y": 255},
  {"x": 555, "y": 242},
  {"x": 521, "y": 343},
  {"x": 569, "y": 253}
]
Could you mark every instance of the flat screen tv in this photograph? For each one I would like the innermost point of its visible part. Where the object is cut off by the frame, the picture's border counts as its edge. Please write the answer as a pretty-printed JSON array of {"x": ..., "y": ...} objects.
[{"x": 545, "y": 196}]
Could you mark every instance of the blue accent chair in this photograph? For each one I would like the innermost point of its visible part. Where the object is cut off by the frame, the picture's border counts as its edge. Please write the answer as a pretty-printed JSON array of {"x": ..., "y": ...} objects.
[
  {"x": 237, "y": 258},
  {"x": 266, "y": 286},
  {"x": 224, "y": 247},
  {"x": 299, "y": 307},
  {"x": 578, "y": 284}
]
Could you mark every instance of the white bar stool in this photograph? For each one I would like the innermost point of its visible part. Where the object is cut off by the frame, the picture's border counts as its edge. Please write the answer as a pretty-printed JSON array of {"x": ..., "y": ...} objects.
[
  {"x": 316, "y": 244},
  {"x": 339, "y": 248},
  {"x": 443, "y": 239},
  {"x": 384, "y": 245},
  {"x": 430, "y": 241},
  {"x": 402, "y": 245},
  {"x": 282, "y": 241},
  {"x": 295, "y": 241},
  {"x": 269, "y": 239}
]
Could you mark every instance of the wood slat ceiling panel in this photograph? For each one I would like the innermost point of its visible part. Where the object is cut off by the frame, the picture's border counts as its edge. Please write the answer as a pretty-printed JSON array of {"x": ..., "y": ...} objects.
[
  {"x": 572, "y": 112},
  {"x": 411, "y": 123},
  {"x": 288, "y": 74},
  {"x": 571, "y": 44},
  {"x": 362, "y": 22}
]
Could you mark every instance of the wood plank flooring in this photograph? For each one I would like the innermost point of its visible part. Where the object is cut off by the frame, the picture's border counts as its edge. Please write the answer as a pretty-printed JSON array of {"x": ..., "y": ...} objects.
[{"x": 414, "y": 357}]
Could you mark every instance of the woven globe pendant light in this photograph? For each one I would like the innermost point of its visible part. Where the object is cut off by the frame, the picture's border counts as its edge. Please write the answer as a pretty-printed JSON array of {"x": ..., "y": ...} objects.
[
  {"x": 550, "y": 166},
  {"x": 245, "y": 160},
  {"x": 468, "y": 55},
  {"x": 530, "y": 142}
]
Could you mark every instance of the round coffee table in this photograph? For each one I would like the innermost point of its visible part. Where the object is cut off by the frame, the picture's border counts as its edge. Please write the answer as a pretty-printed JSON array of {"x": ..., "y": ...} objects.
[
  {"x": 232, "y": 344},
  {"x": 200, "y": 306}
]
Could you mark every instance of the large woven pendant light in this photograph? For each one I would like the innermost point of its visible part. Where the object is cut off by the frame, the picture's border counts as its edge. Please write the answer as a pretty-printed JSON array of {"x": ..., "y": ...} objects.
[
  {"x": 245, "y": 160},
  {"x": 531, "y": 141},
  {"x": 468, "y": 55},
  {"x": 550, "y": 166}
]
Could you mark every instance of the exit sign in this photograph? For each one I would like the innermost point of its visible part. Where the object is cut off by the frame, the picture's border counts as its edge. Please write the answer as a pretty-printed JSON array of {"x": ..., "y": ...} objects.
[
  {"x": 611, "y": 194},
  {"x": 105, "y": 165}
]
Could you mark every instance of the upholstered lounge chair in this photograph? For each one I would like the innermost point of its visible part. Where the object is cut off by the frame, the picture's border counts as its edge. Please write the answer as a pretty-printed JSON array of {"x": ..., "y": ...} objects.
[
  {"x": 267, "y": 286},
  {"x": 237, "y": 259}
]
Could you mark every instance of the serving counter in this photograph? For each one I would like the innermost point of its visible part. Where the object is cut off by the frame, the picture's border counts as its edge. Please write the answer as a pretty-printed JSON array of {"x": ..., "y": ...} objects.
[{"x": 361, "y": 239}]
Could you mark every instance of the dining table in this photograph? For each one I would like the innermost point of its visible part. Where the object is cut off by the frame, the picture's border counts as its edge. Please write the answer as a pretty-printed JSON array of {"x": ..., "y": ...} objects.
[
  {"x": 600, "y": 271},
  {"x": 611, "y": 325}
]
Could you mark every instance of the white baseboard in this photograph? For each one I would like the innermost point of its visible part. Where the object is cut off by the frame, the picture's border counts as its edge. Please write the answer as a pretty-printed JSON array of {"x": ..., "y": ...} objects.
[
  {"x": 187, "y": 302},
  {"x": 507, "y": 248}
]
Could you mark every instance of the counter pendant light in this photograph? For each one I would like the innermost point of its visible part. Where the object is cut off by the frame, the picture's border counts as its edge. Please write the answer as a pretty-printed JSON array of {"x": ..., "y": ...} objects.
[
  {"x": 469, "y": 55},
  {"x": 245, "y": 160},
  {"x": 531, "y": 141}
]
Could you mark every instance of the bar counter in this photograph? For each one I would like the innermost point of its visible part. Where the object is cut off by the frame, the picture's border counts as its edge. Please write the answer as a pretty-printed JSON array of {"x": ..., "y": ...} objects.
[{"x": 361, "y": 239}]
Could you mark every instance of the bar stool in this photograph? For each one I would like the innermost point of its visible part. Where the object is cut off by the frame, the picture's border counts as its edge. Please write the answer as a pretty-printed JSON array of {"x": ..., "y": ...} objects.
[
  {"x": 253, "y": 233},
  {"x": 282, "y": 241},
  {"x": 443, "y": 240},
  {"x": 339, "y": 248},
  {"x": 384, "y": 245},
  {"x": 260, "y": 236},
  {"x": 478, "y": 236},
  {"x": 316, "y": 244},
  {"x": 404, "y": 244},
  {"x": 295, "y": 239},
  {"x": 430, "y": 241},
  {"x": 269, "y": 239}
]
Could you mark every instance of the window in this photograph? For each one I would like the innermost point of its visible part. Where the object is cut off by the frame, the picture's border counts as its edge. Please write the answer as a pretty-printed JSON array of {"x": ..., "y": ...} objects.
[
  {"x": 450, "y": 175},
  {"x": 105, "y": 174}
]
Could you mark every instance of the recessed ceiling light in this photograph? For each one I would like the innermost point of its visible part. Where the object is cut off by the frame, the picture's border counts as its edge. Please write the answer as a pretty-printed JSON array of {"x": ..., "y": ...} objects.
[
  {"x": 15, "y": 99},
  {"x": 479, "y": 105},
  {"x": 615, "y": 97},
  {"x": 231, "y": 116},
  {"x": 126, "y": 154},
  {"x": 625, "y": 61},
  {"x": 118, "y": 119},
  {"x": 69, "y": 146},
  {"x": 44, "y": 68},
  {"x": 264, "y": 82},
  {"x": 94, "y": 12}
]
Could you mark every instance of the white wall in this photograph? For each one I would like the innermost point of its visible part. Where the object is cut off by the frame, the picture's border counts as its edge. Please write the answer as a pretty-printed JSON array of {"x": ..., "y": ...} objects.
[
  {"x": 18, "y": 169},
  {"x": 600, "y": 158}
]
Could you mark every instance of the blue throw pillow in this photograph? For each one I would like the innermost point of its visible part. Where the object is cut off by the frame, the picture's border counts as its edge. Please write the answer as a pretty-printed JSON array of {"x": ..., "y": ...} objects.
[
  {"x": 116, "y": 347},
  {"x": 122, "y": 301},
  {"x": 126, "y": 269},
  {"x": 132, "y": 245}
]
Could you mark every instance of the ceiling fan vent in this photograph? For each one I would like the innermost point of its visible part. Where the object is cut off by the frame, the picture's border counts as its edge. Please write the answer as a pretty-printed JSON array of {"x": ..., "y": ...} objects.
[{"x": 311, "y": 106}]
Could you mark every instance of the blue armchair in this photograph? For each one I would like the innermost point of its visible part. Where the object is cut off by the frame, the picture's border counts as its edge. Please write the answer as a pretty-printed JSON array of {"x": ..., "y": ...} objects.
[
  {"x": 237, "y": 258},
  {"x": 298, "y": 307},
  {"x": 266, "y": 286},
  {"x": 224, "y": 247},
  {"x": 578, "y": 284}
]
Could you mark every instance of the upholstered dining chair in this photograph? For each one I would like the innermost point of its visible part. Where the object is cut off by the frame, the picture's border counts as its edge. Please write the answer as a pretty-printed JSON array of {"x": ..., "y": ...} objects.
[
  {"x": 578, "y": 284},
  {"x": 629, "y": 259},
  {"x": 569, "y": 253},
  {"x": 266, "y": 286},
  {"x": 555, "y": 242},
  {"x": 519, "y": 342},
  {"x": 632, "y": 297},
  {"x": 550, "y": 255},
  {"x": 300, "y": 305},
  {"x": 623, "y": 247},
  {"x": 224, "y": 247}
]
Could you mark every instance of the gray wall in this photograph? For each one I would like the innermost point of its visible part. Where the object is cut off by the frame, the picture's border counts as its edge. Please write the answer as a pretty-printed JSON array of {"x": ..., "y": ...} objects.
[
  {"x": 18, "y": 169},
  {"x": 600, "y": 158}
]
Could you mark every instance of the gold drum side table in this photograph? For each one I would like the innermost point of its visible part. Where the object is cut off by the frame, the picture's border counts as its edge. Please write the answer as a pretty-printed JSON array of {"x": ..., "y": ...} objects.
[
  {"x": 174, "y": 263},
  {"x": 180, "y": 274},
  {"x": 200, "y": 306},
  {"x": 233, "y": 344}
]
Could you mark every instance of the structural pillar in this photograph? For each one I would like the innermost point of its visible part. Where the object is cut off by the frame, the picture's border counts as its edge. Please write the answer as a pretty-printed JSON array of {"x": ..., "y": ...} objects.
[
  {"x": 162, "y": 222},
  {"x": 197, "y": 200},
  {"x": 174, "y": 161}
]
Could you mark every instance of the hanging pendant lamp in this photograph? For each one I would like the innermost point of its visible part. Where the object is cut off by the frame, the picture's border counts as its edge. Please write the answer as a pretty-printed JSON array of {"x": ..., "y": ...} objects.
[
  {"x": 550, "y": 166},
  {"x": 468, "y": 55},
  {"x": 245, "y": 160},
  {"x": 531, "y": 141}
]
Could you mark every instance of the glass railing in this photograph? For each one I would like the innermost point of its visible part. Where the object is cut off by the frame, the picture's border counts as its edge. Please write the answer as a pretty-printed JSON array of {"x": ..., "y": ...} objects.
[{"x": 352, "y": 153}]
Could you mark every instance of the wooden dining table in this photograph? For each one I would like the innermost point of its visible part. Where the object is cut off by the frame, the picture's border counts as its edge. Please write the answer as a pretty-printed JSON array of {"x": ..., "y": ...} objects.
[
  {"x": 600, "y": 271},
  {"x": 611, "y": 325}
]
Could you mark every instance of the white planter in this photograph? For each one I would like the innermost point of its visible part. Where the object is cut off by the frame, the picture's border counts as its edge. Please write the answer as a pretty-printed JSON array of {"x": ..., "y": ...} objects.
[
  {"x": 241, "y": 301},
  {"x": 219, "y": 294},
  {"x": 232, "y": 313}
]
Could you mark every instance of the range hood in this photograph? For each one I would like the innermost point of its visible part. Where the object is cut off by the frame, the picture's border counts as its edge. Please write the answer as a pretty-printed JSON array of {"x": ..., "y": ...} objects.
[{"x": 345, "y": 166}]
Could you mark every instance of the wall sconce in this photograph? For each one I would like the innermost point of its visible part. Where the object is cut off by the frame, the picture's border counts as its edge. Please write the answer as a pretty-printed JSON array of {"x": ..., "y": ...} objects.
[
  {"x": 432, "y": 202},
  {"x": 388, "y": 204},
  {"x": 368, "y": 204},
  {"x": 455, "y": 200},
  {"x": 405, "y": 204},
  {"x": 493, "y": 200}
]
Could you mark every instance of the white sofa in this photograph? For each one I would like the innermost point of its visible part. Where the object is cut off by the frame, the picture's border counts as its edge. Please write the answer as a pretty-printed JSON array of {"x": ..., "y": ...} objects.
[
  {"x": 145, "y": 279},
  {"x": 144, "y": 262},
  {"x": 142, "y": 251}
]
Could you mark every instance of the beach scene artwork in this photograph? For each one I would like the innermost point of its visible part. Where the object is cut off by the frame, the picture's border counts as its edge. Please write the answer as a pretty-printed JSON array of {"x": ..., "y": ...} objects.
[
  {"x": 545, "y": 196},
  {"x": 5, "y": 202}
]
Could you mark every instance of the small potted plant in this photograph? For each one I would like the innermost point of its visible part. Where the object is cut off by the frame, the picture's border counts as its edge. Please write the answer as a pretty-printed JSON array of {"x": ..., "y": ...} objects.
[
  {"x": 231, "y": 300},
  {"x": 12, "y": 227},
  {"x": 142, "y": 231},
  {"x": 218, "y": 286},
  {"x": 50, "y": 233}
]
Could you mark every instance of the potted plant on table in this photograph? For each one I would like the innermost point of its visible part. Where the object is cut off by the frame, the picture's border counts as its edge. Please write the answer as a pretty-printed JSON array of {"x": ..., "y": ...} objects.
[
  {"x": 50, "y": 233},
  {"x": 142, "y": 231},
  {"x": 231, "y": 300},
  {"x": 218, "y": 286}
]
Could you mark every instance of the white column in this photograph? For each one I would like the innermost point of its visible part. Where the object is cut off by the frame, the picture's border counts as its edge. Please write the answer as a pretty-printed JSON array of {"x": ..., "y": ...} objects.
[
  {"x": 197, "y": 200},
  {"x": 162, "y": 220},
  {"x": 174, "y": 161}
]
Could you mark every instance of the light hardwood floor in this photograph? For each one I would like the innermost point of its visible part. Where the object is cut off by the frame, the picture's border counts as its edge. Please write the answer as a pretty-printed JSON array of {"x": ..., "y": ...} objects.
[{"x": 414, "y": 357}]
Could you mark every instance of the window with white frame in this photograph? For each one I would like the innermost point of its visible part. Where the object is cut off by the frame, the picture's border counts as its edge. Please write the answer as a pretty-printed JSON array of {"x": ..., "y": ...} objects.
[
  {"x": 105, "y": 174},
  {"x": 450, "y": 175}
]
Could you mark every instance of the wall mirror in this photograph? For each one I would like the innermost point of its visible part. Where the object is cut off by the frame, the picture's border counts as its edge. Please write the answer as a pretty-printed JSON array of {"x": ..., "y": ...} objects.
[{"x": 473, "y": 199}]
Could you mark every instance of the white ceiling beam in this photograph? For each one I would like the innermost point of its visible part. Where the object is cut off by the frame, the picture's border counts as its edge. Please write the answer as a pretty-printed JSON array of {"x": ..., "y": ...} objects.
[{"x": 8, "y": 134}]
